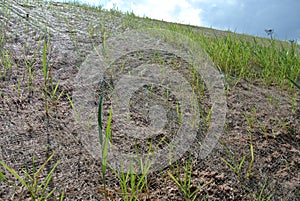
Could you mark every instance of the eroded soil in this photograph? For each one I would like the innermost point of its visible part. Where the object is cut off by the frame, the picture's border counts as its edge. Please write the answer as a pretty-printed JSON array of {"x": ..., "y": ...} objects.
[{"x": 27, "y": 130}]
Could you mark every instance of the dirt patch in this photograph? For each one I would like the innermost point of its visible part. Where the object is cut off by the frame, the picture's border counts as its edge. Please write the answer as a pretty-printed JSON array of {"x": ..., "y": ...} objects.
[{"x": 26, "y": 130}]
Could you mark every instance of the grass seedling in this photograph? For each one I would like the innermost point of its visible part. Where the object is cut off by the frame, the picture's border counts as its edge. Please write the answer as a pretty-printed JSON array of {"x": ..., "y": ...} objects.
[
  {"x": 29, "y": 65},
  {"x": 48, "y": 82},
  {"x": 33, "y": 184},
  {"x": 17, "y": 88},
  {"x": 100, "y": 106},
  {"x": 54, "y": 95},
  {"x": 132, "y": 184},
  {"x": 235, "y": 165},
  {"x": 136, "y": 183},
  {"x": 294, "y": 103},
  {"x": 260, "y": 196},
  {"x": 104, "y": 44},
  {"x": 167, "y": 93},
  {"x": 70, "y": 101},
  {"x": 205, "y": 117},
  {"x": 5, "y": 63},
  {"x": 104, "y": 143},
  {"x": 179, "y": 113},
  {"x": 151, "y": 89},
  {"x": 46, "y": 74},
  {"x": 251, "y": 163},
  {"x": 108, "y": 137},
  {"x": 184, "y": 183},
  {"x": 44, "y": 63},
  {"x": 250, "y": 120},
  {"x": 91, "y": 29}
]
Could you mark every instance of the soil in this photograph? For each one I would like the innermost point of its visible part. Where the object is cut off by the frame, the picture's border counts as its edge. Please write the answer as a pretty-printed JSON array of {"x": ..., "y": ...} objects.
[{"x": 27, "y": 130}]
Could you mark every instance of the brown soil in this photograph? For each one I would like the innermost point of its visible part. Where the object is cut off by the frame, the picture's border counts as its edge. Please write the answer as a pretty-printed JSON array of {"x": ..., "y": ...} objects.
[{"x": 26, "y": 130}]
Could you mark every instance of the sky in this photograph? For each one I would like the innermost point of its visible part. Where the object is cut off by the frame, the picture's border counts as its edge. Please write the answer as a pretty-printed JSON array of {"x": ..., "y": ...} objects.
[{"x": 241, "y": 16}]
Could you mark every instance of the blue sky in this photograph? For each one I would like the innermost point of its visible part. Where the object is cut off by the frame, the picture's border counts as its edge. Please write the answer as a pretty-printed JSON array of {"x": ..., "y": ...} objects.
[{"x": 242, "y": 16}]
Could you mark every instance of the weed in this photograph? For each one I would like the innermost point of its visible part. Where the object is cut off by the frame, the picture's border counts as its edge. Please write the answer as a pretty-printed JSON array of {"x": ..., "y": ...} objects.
[{"x": 270, "y": 33}]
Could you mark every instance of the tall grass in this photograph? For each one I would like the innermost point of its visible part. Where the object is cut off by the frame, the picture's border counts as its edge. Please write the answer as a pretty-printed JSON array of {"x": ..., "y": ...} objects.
[
  {"x": 270, "y": 63},
  {"x": 254, "y": 59}
]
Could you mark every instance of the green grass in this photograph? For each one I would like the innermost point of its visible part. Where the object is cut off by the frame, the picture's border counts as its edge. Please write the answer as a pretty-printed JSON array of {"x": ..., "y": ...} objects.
[
  {"x": 132, "y": 184},
  {"x": 294, "y": 83},
  {"x": 263, "y": 61},
  {"x": 104, "y": 144},
  {"x": 50, "y": 89},
  {"x": 190, "y": 192},
  {"x": 36, "y": 187},
  {"x": 256, "y": 59},
  {"x": 260, "y": 195}
]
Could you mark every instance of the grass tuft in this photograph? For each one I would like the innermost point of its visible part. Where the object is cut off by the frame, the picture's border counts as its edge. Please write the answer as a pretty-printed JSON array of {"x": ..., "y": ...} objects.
[{"x": 37, "y": 188}]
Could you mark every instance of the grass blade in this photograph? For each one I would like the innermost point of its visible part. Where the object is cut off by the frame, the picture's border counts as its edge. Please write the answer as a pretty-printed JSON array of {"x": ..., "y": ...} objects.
[
  {"x": 37, "y": 174},
  {"x": 45, "y": 183},
  {"x": 44, "y": 62},
  {"x": 177, "y": 182},
  {"x": 297, "y": 85},
  {"x": 100, "y": 116},
  {"x": 2, "y": 177},
  {"x": 62, "y": 196},
  {"x": 14, "y": 173},
  {"x": 107, "y": 137}
]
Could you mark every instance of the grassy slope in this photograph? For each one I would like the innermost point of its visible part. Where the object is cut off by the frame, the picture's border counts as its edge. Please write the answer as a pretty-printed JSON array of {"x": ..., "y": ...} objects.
[{"x": 242, "y": 56}]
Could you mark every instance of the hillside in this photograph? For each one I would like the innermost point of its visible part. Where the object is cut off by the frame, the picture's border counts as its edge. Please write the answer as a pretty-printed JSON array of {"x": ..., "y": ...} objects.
[{"x": 51, "y": 63}]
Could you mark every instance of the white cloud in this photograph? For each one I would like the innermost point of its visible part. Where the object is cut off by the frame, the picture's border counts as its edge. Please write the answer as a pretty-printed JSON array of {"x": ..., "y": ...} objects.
[{"x": 181, "y": 11}]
